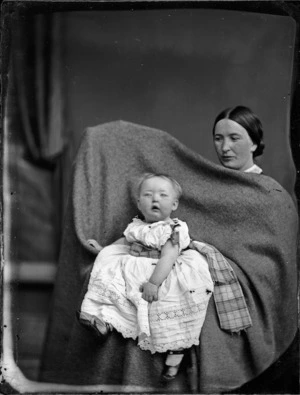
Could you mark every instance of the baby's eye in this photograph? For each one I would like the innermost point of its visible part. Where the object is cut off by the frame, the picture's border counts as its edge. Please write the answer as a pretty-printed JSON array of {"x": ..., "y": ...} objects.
[
  {"x": 163, "y": 195},
  {"x": 147, "y": 194}
]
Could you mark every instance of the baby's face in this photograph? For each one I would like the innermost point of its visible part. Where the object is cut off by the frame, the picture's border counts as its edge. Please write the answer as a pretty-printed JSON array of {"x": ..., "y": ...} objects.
[{"x": 157, "y": 199}]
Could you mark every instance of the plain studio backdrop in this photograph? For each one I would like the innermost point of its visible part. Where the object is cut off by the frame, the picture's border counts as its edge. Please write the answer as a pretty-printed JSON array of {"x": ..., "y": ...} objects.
[{"x": 175, "y": 70}]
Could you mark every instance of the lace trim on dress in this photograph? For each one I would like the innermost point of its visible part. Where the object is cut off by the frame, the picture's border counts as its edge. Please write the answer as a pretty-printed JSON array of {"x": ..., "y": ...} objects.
[
  {"x": 98, "y": 288},
  {"x": 126, "y": 332},
  {"x": 182, "y": 312},
  {"x": 184, "y": 343}
]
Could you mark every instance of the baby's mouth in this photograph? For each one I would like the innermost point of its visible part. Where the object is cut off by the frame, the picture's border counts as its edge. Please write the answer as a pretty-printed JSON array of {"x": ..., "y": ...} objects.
[{"x": 155, "y": 208}]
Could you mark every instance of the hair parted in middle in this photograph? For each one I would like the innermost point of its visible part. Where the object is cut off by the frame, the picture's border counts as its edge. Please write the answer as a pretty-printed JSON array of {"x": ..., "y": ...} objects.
[
  {"x": 245, "y": 117},
  {"x": 146, "y": 176}
]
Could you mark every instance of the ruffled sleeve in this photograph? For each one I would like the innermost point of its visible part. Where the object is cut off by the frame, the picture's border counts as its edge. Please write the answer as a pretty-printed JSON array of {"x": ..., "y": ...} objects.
[
  {"x": 180, "y": 234},
  {"x": 157, "y": 234}
]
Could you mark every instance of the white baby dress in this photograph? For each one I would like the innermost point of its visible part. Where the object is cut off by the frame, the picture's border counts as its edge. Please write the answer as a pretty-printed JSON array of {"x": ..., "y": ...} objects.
[{"x": 114, "y": 296}]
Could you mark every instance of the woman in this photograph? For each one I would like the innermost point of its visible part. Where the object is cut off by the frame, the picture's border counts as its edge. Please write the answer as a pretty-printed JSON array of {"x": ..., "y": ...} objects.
[
  {"x": 238, "y": 139},
  {"x": 249, "y": 218}
]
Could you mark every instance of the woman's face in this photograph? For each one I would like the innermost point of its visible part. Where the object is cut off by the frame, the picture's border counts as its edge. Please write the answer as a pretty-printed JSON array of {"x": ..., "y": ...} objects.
[{"x": 233, "y": 145}]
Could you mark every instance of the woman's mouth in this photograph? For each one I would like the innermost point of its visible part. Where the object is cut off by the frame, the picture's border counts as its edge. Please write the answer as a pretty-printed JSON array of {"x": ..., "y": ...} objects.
[{"x": 227, "y": 158}]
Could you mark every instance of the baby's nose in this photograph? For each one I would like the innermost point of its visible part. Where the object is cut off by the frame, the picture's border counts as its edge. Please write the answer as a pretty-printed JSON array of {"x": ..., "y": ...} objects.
[{"x": 155, "y": 197}]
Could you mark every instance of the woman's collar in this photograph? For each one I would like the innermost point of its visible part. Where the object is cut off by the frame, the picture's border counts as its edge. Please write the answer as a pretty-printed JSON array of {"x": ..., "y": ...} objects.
[{"x": 254, "y": 169}]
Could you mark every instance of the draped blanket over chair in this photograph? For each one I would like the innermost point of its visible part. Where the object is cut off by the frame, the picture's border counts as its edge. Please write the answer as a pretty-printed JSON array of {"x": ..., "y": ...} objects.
[{"x": 249, "y": 218}]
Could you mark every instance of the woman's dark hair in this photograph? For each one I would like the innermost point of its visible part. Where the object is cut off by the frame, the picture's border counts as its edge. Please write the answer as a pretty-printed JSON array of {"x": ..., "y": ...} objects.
[{"x": 249, "y": 121}]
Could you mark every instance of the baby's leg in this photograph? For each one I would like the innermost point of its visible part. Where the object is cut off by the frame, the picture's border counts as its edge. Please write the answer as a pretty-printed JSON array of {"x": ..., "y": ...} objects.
[
  {"x": 172, "y": 364},
  {"x": 94, "y": 323},
  {"x": 105, "y": 298}
]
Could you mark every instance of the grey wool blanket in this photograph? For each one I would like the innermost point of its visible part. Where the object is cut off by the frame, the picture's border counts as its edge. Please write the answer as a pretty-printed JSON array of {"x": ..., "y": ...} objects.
[{"x": 249, "y": 218}]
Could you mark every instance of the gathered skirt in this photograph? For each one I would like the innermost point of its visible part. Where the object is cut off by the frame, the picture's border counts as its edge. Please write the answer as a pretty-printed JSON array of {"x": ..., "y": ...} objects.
[{"x": 172, "y": 322}]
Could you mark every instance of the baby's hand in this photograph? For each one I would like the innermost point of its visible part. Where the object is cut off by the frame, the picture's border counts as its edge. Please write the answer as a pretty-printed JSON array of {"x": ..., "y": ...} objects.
[
  {"x": 93, "y": 243},
  {"x": 192, "y": 246},
  {"x": 150, "y": 292}
]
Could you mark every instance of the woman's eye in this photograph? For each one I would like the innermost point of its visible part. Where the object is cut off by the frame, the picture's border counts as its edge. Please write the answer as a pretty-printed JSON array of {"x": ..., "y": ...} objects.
[{"x": 217, "y": 138}]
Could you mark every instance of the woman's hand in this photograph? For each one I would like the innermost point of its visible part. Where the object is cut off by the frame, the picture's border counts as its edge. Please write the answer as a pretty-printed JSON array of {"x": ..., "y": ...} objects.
[{"x": 150, "y": 292}]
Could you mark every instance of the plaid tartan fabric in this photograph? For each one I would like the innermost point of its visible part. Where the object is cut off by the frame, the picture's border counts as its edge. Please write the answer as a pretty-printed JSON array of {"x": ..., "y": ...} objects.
[{"x": 230, "y": 302}]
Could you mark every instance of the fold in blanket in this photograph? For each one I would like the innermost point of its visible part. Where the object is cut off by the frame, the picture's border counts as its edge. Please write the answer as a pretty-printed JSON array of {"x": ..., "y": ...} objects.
[{"x": 249, "y": 218}]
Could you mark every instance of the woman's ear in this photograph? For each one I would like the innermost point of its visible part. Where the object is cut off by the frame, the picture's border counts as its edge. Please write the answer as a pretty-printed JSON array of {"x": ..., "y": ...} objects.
[{"x": 253, "y": 148}]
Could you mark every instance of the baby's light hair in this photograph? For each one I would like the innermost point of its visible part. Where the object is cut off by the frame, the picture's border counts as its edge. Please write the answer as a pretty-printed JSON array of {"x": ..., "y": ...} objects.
[{"x": 176, "y": 186}]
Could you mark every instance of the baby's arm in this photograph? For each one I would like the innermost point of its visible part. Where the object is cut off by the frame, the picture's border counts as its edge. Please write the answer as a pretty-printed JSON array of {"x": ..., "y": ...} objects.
[
  {"x": 169, "y": 254},
  {"x": 93, "y": 243},
  {"x": 122, "y": 240}
]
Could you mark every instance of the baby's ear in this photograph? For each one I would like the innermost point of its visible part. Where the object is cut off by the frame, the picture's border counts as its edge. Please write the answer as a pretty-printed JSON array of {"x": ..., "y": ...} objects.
[{"x": 175, "y": 205}]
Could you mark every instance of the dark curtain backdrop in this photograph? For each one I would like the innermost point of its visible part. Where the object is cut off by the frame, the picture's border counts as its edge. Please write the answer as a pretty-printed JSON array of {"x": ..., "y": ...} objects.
[
  {"x": 37, "y": 134},
  {"x": 38, "y": 68}
]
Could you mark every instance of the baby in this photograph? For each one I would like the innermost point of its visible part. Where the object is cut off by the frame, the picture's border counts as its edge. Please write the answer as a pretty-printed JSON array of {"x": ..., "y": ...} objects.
[{"x": 148, "y": 284}]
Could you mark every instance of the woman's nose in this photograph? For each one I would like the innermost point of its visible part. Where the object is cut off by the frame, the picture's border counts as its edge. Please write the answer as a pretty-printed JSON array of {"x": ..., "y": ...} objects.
[{"x": 225, "y": 146}]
